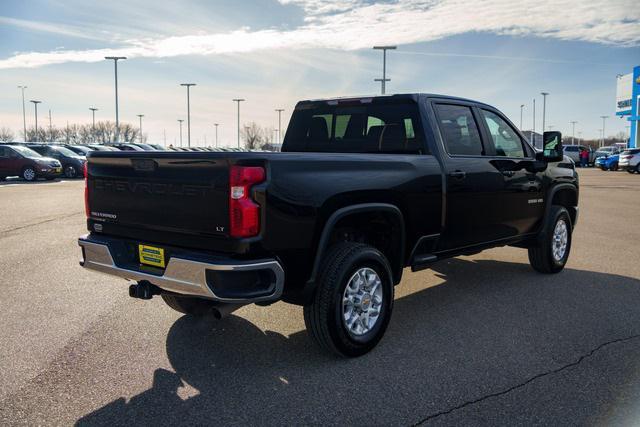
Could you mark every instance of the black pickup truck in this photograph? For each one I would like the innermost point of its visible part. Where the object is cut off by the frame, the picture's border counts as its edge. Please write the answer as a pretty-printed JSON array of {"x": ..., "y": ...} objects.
[{"x": 363, "y": 188}]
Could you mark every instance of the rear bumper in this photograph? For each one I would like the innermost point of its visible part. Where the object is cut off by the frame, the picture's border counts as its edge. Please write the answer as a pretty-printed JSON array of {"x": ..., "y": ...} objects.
[{"x": 195, "y": 274}]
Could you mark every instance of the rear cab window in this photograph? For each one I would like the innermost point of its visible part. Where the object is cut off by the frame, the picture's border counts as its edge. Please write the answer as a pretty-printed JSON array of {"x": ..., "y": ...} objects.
[{"x": 356, "y": 127}]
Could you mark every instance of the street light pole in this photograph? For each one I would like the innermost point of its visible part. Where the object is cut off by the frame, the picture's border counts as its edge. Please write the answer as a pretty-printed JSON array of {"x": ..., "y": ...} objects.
[
  {"x": 181, "y": 120},
  {"x": 24, "y": 114},
  {"x": 140, "y": 116},
  {"x": 384, "y": 78},
  {"x": 603, "y": 119},
  {"x": 279, "y": 110},
  {"x": 93, "y": 123},
  {"x": 188, "y": 85},
  {"x": 35, "y": 104},
  {"x": 521, "y": 108},
  {"x": 533, "y": 127},
  {"x": 573, "y": 132},
  {"x": 544, "y": 109},
  {"x": 115, "y": 64},
  {"x": 238, "y": 100},
  {"x": 216, "y": 125}
]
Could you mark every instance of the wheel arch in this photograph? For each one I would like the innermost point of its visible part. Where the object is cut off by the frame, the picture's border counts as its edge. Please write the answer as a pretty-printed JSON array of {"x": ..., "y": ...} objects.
[
  {"x": 565, "y": 195},
  {"x": 348, "y": 214}
]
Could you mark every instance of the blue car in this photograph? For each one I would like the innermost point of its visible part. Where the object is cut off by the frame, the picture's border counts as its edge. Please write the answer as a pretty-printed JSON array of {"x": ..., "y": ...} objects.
[{"x": 608, "y": 163}]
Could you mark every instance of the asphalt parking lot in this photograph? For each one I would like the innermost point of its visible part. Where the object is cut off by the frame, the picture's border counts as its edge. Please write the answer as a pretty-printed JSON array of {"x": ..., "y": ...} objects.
[{"x": 476, "y": 340}]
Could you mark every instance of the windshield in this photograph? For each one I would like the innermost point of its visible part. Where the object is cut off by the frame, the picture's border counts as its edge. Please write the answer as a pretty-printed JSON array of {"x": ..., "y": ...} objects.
[
  {"x": 65, "y": 152},
  {"x": 27, "y": 152},
  {"x": 146, "y": 147},
  {"x": 359, "y": 128},
  {"x": 83, "y": 150}
]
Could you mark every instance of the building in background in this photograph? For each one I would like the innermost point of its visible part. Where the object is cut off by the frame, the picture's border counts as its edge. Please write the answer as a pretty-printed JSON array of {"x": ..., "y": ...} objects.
[{"x": 628, "y": 103}]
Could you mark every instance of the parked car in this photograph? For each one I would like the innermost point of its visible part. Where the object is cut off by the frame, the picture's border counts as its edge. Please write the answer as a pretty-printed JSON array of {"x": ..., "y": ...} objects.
[
  {"x": 608, "y": 163},
  {"x": 158, "y": 147},
  {"x": 607, "y": 151},
  {"x": 72, "y": 163},
  {"x": 145, "y": 147},
  {"x": 80, "y": 150},
  {"x": 126, "y": 147},
  {"x": 630, "y": 160},
  {"x": 101, "y": 147},
  {"x": 18, "y": 160},
  {"x": 573, "y": 151},
  {"x": 363, "y": 188}
]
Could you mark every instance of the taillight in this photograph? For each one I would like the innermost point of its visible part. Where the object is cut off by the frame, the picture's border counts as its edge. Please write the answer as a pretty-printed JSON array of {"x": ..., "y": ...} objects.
[
  {"x": 244, "y": 213},
  {"x": 87, "y": 211}
]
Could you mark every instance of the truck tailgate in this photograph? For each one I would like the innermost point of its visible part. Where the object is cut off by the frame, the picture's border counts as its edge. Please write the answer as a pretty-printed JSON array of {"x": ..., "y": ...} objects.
[{"x": 175, "y": 192}]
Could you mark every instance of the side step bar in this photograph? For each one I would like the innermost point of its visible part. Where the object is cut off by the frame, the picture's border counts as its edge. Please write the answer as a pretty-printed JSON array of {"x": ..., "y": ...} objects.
[{"x": 422, "y": 262}]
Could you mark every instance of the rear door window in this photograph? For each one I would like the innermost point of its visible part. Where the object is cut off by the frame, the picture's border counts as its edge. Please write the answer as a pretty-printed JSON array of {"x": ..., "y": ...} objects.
[{"x": 459, "y": 130}]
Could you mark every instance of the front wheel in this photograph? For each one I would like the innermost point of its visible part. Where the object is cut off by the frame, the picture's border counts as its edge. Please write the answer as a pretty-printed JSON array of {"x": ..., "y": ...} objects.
[
  {"x": 70, "y": 171},
  {"x": 353, "y": 302},
  {"x": 29, "y": 173},
  {"x": 614, "y": 167},
  {"x": 552, "y": 249}
]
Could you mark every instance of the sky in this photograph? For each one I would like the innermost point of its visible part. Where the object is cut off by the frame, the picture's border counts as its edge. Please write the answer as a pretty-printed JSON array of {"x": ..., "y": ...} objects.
[{"x": 275, "y": 52}]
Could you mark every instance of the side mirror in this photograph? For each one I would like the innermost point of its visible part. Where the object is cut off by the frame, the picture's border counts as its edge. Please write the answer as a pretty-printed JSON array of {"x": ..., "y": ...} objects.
[{"x": 552, "y": 147}]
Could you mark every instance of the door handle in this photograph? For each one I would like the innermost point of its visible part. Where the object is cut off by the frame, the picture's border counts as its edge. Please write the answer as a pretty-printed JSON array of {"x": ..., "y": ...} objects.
[
  {"x": 508, "y": 173},
  {"x": 458, "y": 174}
]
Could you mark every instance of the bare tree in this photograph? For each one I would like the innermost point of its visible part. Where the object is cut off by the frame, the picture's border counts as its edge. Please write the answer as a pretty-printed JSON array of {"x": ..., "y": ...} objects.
[
  {"x": 33, "y": 136},
  {"x": 6, "y": 135},
  {"x": 254, "y": 135}
]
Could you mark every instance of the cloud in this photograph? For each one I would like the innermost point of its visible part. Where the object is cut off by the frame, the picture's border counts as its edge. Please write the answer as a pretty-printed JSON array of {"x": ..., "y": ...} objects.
[
  {"x": 356, "y": 24},
  {"x": 46, "y": 27}
]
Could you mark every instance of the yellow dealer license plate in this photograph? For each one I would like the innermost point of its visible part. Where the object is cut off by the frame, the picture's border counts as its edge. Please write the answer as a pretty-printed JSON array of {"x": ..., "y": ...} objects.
[{"x": 151, "y": 255}]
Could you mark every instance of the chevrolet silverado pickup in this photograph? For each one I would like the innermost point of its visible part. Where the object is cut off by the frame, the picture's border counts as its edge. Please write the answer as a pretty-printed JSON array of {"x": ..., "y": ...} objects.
[{"x": 363, "y": 188}]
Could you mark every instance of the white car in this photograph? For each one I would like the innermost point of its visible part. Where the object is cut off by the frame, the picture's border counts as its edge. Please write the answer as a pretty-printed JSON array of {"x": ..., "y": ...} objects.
[{"x": 630, "y": 160}]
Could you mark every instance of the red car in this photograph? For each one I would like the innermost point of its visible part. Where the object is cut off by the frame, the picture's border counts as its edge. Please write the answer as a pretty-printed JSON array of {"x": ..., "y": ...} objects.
[{"x": 16, "y": 160}]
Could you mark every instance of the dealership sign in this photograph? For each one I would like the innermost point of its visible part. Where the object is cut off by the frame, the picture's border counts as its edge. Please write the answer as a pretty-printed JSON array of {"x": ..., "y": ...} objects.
[{"x": 624, "y": 93}]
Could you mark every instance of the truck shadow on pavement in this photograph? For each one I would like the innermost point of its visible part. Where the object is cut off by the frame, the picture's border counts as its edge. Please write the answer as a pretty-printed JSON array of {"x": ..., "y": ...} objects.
[{"x": 484, "y": 334}]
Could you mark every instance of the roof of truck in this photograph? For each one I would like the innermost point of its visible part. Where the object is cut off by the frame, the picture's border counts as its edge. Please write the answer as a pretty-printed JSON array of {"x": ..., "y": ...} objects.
[{"x": 391, "y": 98}]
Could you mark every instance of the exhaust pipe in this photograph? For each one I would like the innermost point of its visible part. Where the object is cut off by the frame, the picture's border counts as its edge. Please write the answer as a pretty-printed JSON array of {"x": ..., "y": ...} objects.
[{"x": 221, "y": 310}]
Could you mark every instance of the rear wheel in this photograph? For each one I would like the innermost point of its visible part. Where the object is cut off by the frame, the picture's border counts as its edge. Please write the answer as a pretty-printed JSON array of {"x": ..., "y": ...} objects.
[
  {"x": 552, "y": 250},
  {"x": 353, "y": 302},
  {"x": 614, "y": 167},
  {"x": 188, "y": 305},
  {"x": 29, "y": 173}
]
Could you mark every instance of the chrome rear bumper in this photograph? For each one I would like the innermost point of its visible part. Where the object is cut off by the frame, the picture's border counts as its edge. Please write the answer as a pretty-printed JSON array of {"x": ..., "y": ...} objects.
[{"x": 183, "y": 276}]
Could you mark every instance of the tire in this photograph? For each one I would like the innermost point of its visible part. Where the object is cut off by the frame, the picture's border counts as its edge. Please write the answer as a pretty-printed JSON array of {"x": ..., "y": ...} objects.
[
  {"x": 614, "y": 167},
  {"x": 603, "y": 168},
  {"x": 188, "y": 305},
  {"x": 542, "y": 257},
  {"x": 344, "y": 265},
  {"x": 638, "y": 168},
  {"x": 28, "y": 174},
  {"x": 631, "y": 171},
  {"x": 70, "y": 171}
]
